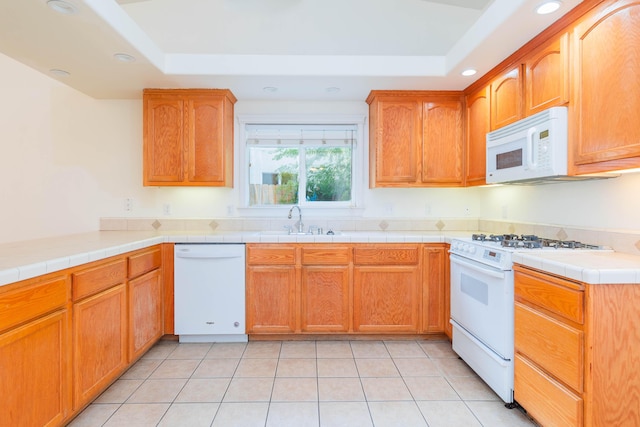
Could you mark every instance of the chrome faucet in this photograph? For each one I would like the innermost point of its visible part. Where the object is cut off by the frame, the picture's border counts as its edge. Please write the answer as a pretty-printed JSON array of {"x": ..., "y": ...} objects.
[{"x": 300, "y": 224}]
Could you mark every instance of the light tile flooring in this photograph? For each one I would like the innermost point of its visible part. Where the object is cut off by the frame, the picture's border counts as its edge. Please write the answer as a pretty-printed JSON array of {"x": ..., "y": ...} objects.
[{"x": 300, "y": 383}]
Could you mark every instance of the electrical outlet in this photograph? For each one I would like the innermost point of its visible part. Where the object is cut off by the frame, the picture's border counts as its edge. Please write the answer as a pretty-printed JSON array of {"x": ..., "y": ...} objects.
[
  {"x": 166, "y": 209},
  {"x": 388, "y": 208},
  {"x": 128, "y": 204},
  {"x": 505, "y": 211},
  {"x": 427, "y": 209},
  {"x": 467, "y": 211}
]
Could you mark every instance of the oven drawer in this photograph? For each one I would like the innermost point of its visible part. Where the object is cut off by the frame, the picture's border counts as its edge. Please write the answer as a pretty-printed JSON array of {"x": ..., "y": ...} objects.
[
  {"x": 562, "y": 297},
  {"x": 554, "y": 346},
  {"x": 545, "y": 399}
]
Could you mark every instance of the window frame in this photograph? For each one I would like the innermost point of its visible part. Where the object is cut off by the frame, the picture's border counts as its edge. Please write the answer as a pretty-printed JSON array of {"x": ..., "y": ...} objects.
[{"x": 358, "y": 162}]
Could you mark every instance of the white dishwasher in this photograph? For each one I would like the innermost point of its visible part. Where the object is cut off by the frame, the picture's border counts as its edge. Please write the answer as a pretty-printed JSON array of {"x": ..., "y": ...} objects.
[{"x": 209, "y": 292}]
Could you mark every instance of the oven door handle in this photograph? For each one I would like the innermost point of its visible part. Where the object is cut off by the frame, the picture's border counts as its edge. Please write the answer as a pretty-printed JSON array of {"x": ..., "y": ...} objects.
[{"x": 485, "y": 271}]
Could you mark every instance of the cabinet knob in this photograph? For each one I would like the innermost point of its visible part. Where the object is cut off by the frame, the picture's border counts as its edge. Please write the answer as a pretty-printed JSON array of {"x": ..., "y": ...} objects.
[{"x": 236, "y": 324}]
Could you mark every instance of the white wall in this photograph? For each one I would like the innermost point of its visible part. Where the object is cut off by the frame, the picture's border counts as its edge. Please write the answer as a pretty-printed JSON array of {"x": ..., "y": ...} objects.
[
  {"x": 58, "y": 158},
  {"x": 603, "y": 204}
]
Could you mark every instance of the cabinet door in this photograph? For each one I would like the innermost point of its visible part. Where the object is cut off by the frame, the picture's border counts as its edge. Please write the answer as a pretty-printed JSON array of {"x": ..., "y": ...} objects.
[
  {"x": 164, "y": 150},
  {"x": 100, "y": 342},
  {"x": 325, "y": 298},
  {"x": 395, "y": 142},
  {"x": 435, "y": 315},
  {"x": 35, "y": 370},
  {"x": 386, "y": 298},
  {"x": 271, "y": 299},
  {"x": 547, "y": 76},
  {"x": 145, "y": 313},
  {"x": 478, "y": 108},
  {"x": 442, "y": 143},
  {"x": 205, "y": 119},
  {"x": 506, "y": 99},
  {"x": 607, "y": 89}
]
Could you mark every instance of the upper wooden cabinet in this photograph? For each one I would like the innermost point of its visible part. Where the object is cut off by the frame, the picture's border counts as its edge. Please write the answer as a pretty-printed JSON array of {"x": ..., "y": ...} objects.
[
  {"x": 506, "y": 98},
  {"x": 188, "y": 137},
  {"x": 606, "y": 106},
  {"x": 477, "y": 125},
  {"x": 395, "y": 140},
  {"x": 442, "y": 144},
  {"x": 546, "y": 74},
  {"x": 415, "y": 139}
]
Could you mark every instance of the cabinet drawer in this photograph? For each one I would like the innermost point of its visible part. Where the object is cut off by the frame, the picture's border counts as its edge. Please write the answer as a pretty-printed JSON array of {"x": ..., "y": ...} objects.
[
  {"x": 554, "y": 346},
  {"x": 273, "y": 255},
  {"x": 326, "y": 255},
  {"x": 144, "y": 262},
  {"x": 387, "y": 255},
  {"x": 559, "y": 296},
  {"x": 549, "y": 402},
  {"x": 93, "y": 280},
  {"x": 33, "y": 299}
]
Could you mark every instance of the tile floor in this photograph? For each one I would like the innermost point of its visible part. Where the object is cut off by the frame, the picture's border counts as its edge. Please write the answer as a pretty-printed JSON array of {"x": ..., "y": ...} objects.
[{"x": 300, "y": 383}]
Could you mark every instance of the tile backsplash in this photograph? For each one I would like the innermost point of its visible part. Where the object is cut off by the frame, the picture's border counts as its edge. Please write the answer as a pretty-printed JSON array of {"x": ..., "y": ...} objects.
[{"x": 619, "y": 240}]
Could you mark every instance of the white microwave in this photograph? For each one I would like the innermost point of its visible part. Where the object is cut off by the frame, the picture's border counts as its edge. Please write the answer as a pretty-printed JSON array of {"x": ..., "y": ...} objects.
[{"x": 530, "y": 150}]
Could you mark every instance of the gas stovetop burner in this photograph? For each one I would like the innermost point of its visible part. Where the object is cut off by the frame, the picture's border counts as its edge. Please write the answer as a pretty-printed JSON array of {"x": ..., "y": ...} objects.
[{"x": 530, "y": 241}]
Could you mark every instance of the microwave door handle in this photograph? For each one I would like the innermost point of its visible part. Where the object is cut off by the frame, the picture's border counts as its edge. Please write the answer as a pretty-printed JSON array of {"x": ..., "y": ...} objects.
[{"x": 532, "y": 155}]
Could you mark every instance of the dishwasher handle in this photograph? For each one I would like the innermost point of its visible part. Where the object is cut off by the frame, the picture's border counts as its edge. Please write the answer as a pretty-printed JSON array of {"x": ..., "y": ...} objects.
[{"x": 185, "y": 253}]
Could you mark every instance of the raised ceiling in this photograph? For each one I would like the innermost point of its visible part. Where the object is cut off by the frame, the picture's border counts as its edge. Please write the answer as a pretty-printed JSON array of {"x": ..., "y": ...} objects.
[{"x": 299, "y": 47}]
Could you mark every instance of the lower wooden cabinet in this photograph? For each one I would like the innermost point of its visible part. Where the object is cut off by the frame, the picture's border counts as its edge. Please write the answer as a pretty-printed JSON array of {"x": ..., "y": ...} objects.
[
  {"x": 435, "y": 289},
  {"x": 325, "y": 288},
  {"x": 145, "y": 313},
  {"x": 271, "y": 299},
  {"x": 577, "y": 349},
  {"x": 342, "y": 288},
  {"x": 35, "y": 373},
  {"x": 66, "y": 336},
  {"x": 99, "y": 342}
]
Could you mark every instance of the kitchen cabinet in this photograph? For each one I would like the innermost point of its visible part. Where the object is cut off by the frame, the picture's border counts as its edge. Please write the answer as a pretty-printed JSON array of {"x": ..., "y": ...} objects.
[
  {"x": 35, "y": 352},
  {"x": 322, "y": 288},
  {"x": 271, "y": 288},
  {"x": 477, "y": 105},
  {"x": 387, "y": 288},
  {"x": 606, "y": 89},
  {"x": 546, "y": 74},
  {"x": 326, "y": 291},
  {"x": 99, "y": 295},
  {"x": 66, "y": 336},
  {"x": 188, "y": 137},
  {"x": 415, "y": 139},
  {"x": 442, "y": 143},
  {"x": 145, "y": 301},
  {"x": 435, "y": 286},
  {"x": 506, "y": 98},
  {"x": 576, "y": 348}
]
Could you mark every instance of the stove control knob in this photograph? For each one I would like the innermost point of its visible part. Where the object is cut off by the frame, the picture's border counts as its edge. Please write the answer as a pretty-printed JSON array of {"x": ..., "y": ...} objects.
[
  {"x": 465, "y": 247},
  {"x": 472, "y": 249}
]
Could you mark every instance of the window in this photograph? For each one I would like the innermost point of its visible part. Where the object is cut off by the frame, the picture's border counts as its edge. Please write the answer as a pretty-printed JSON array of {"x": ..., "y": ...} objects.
[{"x": 311, "y": 165}]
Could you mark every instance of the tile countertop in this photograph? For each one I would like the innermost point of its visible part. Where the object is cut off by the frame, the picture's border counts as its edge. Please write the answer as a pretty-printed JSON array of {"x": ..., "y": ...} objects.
[
  {"x": 594, "y": 267},
  {"x": 30, "y": 258},
  {"x": 26, "y": 259}
]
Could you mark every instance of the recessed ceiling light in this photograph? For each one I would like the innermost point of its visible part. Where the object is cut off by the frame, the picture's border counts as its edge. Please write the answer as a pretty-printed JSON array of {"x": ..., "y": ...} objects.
[
  {"x": 62, "y": 6},
  {"x": 548, "y": 7},
  {"x": 59, "y": 73},
  {"x": 469, "y": 72},
  {"x": 124, "y": 57},
  {"x": 332, "y": 89},
  {"x": 269, "y": 89}
]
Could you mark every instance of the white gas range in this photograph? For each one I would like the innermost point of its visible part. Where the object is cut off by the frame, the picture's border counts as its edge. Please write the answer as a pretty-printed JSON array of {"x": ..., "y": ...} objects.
[{"x": 482, "y": 301}]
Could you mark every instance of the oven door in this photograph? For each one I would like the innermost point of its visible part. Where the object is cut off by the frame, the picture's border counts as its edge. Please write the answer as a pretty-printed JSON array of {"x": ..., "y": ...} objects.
[{"x": 482, "y": 303}]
